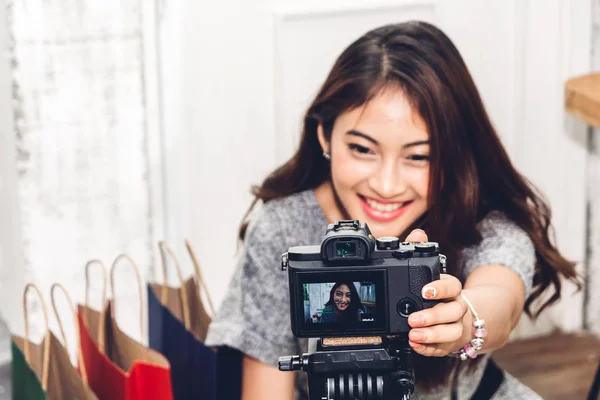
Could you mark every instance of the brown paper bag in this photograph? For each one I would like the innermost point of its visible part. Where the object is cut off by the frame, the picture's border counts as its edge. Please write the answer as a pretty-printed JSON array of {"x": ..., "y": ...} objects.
[
  {"x": 184, "y": 302},
  {"x": 48, "y": 363}
]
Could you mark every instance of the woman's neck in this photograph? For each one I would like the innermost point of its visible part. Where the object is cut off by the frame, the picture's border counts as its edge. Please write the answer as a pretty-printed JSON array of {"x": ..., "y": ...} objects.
[{"x": 328, "y": 202}]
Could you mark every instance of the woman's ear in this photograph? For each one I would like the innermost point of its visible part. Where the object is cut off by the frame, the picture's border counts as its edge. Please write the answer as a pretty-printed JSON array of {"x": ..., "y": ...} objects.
[{"x": 321, "y": 135}]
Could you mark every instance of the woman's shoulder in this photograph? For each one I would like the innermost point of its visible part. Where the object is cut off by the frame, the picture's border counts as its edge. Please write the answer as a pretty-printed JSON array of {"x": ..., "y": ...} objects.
[
  {"x": 503, "y": 242},
  {"x": 498, "y": 233},
  {"x": 496, "y": 224},
  {"x": 295, "y": 217}
]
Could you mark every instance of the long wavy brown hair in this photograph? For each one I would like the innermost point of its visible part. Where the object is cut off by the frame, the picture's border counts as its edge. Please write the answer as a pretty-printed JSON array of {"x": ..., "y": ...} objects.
[{"x": 466, "y": 154}]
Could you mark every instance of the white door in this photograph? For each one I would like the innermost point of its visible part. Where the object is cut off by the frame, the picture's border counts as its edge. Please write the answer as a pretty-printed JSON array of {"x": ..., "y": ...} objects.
[{"x": 237, "y": 76}]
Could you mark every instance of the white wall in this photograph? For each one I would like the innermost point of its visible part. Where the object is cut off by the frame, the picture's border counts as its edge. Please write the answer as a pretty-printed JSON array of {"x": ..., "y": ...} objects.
[
  {"x": 241, "y": 79},
  {"x": 593, "y": 310}
]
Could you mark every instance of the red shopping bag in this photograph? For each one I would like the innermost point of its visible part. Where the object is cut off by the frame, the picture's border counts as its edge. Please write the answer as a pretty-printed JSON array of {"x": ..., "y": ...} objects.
[{"x": 119, "y": 367}]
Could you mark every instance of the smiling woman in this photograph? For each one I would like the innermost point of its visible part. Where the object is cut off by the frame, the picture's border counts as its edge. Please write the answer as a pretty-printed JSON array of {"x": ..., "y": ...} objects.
[
  {"x": 379, "y": 164},
  {"x": 399, "y": 138}
]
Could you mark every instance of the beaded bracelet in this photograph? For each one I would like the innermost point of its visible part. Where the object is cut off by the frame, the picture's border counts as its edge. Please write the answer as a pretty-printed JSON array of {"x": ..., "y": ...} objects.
[{"x": 479, "y": 332}]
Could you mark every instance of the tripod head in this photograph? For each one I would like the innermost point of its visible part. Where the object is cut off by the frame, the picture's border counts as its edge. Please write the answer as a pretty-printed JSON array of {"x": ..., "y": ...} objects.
[{"x": 356, "y": 368}]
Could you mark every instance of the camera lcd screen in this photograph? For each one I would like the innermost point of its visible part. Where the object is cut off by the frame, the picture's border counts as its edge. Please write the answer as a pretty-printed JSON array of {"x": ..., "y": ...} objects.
[{"x": 342, "y": 303}]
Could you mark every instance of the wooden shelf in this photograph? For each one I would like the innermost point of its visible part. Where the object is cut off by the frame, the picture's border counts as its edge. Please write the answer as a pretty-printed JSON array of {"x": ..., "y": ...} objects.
[{"x": 582, "y": 98}]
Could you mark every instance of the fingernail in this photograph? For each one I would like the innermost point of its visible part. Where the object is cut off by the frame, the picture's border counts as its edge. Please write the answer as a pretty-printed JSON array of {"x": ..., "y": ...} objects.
[
  {"x": 416, "y": 336},
  {"x": 414, "y": 345},
  {"x": 429, "y": 292},
  {"x": 415, "y": 320}
]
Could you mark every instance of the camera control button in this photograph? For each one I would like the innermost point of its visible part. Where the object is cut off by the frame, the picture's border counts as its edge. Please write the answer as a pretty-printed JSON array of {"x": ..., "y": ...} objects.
[
  {"x": 405, "y": 307},
  {"x": 425, "y": 247},
  {"x": 388, "y": 243},
  {"x": 403, "y": 253}
]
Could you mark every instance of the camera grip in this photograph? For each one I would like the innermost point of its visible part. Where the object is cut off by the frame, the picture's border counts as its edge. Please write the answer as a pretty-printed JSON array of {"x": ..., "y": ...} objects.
[{"x": 418, "y": 277}]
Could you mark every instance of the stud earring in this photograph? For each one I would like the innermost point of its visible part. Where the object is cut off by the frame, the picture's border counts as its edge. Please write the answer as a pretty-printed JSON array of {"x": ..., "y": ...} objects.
[{"x": 326, "y": 155}]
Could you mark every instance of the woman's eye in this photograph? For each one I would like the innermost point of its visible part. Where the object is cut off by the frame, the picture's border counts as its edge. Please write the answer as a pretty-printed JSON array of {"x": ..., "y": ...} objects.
[
  {"x": 419, "y": 157},
  {"x": 359, "y": 149}
]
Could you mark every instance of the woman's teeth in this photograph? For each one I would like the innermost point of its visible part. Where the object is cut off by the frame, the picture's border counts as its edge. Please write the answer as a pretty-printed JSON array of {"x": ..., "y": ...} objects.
[{"x": 383, "y": 207}]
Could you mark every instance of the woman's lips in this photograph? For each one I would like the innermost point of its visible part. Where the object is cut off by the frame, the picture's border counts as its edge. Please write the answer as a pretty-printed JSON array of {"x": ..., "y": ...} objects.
[{"x": 380, "y": 215}]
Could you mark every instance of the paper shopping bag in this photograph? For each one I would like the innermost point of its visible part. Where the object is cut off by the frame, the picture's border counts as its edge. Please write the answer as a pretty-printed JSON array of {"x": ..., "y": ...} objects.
[
  {"x": 44, "y": 371},
  {"x": 178, "y": 323},
  {"x": 119, "y": 367}
]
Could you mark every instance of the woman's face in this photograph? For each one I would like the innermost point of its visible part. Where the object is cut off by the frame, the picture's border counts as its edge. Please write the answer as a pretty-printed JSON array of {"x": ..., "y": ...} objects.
[
  {"x": 380, "y": 163},
  {"x": 342, "y": 297}
]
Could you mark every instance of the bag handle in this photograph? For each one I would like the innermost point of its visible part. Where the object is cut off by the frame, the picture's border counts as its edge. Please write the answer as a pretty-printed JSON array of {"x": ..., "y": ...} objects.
[
  {"x": 139, "y": 284},
  {"x": 163, "y": 294},
  {"x": 201, "y": 281},
  {"x": 101, "y": 344},
  {"x": 54, "y": 286},
  {"x": 46, "y": 350}
]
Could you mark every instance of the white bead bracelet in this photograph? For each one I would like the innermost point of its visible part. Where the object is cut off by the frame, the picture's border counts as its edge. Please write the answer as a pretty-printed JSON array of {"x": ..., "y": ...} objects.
[{"x": 479, "y": 333}]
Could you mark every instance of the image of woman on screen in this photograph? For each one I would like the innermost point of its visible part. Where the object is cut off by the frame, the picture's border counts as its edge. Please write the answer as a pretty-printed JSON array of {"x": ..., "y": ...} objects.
[{"x": 344, "y": 304}]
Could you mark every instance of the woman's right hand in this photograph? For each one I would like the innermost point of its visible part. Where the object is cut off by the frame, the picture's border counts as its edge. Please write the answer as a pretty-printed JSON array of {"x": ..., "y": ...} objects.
[{"x": 261, "y": 381}]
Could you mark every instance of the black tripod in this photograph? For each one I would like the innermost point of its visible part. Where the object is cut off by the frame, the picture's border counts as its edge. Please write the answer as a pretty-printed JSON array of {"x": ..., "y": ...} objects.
[{"x": 356, "y": 369}]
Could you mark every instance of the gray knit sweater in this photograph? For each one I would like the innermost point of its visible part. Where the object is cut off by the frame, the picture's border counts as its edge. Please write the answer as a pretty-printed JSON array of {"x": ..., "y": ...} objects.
[{"x": 255, "y": 318}]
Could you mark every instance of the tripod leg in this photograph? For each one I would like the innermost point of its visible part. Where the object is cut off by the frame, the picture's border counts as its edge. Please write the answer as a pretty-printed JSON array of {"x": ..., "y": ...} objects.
[
  {"x": 330, "y": 388},
  {"x": 360, "y": 386},
  {"x": 379, "y": 387}
]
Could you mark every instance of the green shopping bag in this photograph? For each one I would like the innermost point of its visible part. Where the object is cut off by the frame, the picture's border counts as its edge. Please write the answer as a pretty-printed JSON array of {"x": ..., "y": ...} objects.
[{"x": 44, "y": 371}]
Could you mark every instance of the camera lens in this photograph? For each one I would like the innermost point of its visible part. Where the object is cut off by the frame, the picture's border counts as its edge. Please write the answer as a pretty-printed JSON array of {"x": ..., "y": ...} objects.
[{"x": 345, "y": 249}]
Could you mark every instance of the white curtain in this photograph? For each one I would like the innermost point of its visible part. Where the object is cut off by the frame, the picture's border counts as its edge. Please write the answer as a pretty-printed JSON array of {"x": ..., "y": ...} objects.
[{"x": 77, "y": 76}]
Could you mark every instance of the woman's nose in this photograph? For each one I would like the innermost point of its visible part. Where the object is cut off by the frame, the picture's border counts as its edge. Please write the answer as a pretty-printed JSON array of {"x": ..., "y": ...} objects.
[{"x": 386, "y": 181}]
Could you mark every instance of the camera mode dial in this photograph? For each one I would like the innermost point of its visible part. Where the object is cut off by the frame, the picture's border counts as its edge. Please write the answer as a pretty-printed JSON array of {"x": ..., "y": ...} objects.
[
  {"x": 388, "y": 243},
  {"x": 426, "y": 249}
]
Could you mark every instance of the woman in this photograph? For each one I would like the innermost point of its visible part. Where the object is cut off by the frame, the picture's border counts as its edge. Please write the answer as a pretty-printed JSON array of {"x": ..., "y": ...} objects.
[
  {"x": 399, "y": 138},
  {"x": 344, "y": 305}
]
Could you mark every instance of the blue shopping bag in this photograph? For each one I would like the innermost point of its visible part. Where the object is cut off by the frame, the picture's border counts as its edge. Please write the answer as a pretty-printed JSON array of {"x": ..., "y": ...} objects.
[{"x": 177, "y": 326}]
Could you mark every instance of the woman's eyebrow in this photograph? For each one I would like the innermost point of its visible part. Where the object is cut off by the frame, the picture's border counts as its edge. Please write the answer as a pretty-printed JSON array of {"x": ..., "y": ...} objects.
[
  {"x": 370, "y": 139},
  {"x": 417, "y": 143},
  {"x": 362, "y": 135}
]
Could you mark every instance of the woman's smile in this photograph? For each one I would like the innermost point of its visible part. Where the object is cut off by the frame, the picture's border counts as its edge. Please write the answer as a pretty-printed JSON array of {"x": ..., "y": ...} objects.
[{"x": 383, "y": 211}]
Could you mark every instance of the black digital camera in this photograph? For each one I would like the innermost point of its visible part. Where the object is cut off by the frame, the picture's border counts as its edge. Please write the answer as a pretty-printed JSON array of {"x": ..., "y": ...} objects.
[{"x": 353, "y": 284}]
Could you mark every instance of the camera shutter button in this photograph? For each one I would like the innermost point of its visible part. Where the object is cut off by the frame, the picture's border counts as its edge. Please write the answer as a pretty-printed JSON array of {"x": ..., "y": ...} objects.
[{"x": 388, "y": 243}]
